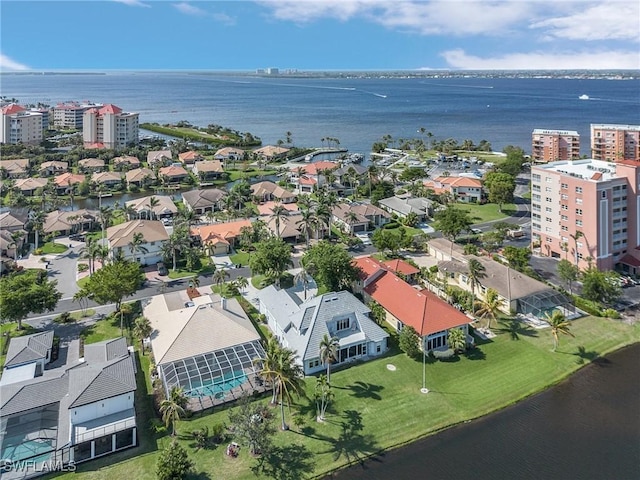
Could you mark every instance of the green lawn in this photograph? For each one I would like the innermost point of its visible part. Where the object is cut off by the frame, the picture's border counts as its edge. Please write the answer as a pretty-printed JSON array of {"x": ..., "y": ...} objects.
[
  {"x": 238, "y": 174},
  {"x": 487, "y": 212},
  {"x": 53, "y": 248},
  {"x": 8, "y": 331},
  {"x": 240, "y": 258},
  {"x": 376, "y": 408},
  {"x": 102, "y": 330}
]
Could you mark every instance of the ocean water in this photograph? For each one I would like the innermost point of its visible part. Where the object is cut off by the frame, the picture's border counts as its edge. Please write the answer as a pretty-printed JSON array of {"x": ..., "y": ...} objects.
[{"x": 358, "y": 111}]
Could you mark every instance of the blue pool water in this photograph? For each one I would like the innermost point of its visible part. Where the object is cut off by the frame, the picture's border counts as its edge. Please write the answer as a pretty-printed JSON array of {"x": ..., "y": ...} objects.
[{"x": 218, "y": 386}]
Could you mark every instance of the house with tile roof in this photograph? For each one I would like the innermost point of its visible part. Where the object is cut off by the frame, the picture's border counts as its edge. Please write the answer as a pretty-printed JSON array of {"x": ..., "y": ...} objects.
[
  {"x": 268, "y": 191},
  {"x": 403, "y": 206},
  {"x": 310, "y": 176},
  {"x": 65, "y": 222},
  {"x": 15, "y": 168},
  {"x": 226, "y": 154},
  {"x": 140, "y": 177},
  {"x": 124, "y": 163},
  {"x": 190, "y": 157},
  {"x": 205, "y": 200},
  {"x": 53, "y": 167},
  {"x": 28, "y": 186},
  {"x": 27, "y": 357},
  {"x": 271, "y": 152},
  {"x": 67, "y": 180},
  {"x": 206, "y": 345},
  {"x": 428, "y": 314},
  {"x": 159, "y": 158},
  {"x": 72, "y": 414},
  {"x": 208, "y": 169},
  {"x": 173, "y": 174},
  {"x": 91, "y": 165},
  {"x": 220, "y": 238},
  {"x": 120, "y": 237},
  {"x": 163, "y": 207},
  {"x": 265, "y": 209},
  {"x": 463, "y": 189},
  {"x": 12, "y": 224},
  {"x": 108, "y": 179},
  {"x": 301, "y": 326}
]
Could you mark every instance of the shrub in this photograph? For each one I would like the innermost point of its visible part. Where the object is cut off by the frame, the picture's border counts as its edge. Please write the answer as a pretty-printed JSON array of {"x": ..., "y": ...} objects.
[
  {"x": 83, "y": 267},
  {"x": 443, "y": 354},
  {"x": 64, "y": 317},
  {"x": 589, "y": 306},
  {"x": 611, "y": 313},
  {"x": 390, "y": 225}
]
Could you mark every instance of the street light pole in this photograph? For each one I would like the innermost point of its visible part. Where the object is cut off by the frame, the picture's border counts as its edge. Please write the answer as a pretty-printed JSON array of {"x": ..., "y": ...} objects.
[{"x": 424, "y": 388}]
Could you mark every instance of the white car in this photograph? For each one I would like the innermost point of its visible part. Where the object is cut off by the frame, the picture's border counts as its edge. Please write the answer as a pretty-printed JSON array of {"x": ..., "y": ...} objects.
[{"x": 476, "y": 231}]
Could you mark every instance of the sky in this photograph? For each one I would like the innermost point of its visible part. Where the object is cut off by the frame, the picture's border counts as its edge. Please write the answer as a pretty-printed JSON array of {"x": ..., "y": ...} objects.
[{"x": 316, "y": 35}]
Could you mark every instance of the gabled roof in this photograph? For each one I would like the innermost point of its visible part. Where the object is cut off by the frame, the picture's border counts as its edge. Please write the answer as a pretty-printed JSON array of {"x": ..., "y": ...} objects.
[
  {"x": 12, "y": 108},
  {"x": 341, "y": 211},
  {"x": 173, "y": 171},
  {"x": 369, "y": 210},
  {"x": 15, "y": 165},
  {"x": 121, "y": 235},
  {"x": 266, "y": 208},
  {"x": 29, "y": 348},
  {"x": 304, "y": 180},
  {"x": 55, "y": 164},
  {"x": 26, "y": 184},
  {"x": 208, "y": 166},
  {"x": 60, "y": 220},
  {"x": 304, "y": 324},
  {"x": 418, "y": 205},
  {"x": 10, "y": 220},
  {"x": 206, "y": 327},
  {"x": 158, "y": 156},
  {"x": 91, "y": 162},
  {"x": 138, "y": 174},
  {"x": 270, "y": 151},
  {"x": 126, "y": 160},
  {"x": 203, "y": 198},
  {"x": 67, "y": 178},
  {"x": 456, "y": 182},
  {"x": 165, "y": 205},
  {"x": 261, "y": 189},
  {"x": 189, "y": 157},
  {"x": 316, "y": 167},
  {"x": 226, "y": 231},
  {"x": 400, "y": 266},
  {"x": 106, "y": 177},
  {"x": 110, "y": 108},
  {"x": 226, "y": 151},
  {"x": 424, "y": 311},
  {"x": 35, "y": 393}
]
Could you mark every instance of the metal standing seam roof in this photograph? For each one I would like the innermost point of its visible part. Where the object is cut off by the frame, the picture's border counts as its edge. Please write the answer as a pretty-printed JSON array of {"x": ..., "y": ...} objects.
[{"x": 29, "y": 348}]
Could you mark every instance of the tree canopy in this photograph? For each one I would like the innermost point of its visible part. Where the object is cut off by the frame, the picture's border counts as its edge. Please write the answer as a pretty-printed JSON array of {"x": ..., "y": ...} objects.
[
  {"x": 409, "y": 341},
  {"x": 27, "y": 292},
  {"x": 330, "y": 265},
  {"x": 452, "y": 221},
  {"x": 272, "y": 257},
  {"x": 600, "y": 286},
  {"x": 173, "y": 463},
  {"x": 114, "y": 282}
]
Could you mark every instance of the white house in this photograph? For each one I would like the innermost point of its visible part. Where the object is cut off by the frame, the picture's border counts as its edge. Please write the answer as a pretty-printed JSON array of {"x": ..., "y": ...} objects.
[{"x": 301, "y": 326}]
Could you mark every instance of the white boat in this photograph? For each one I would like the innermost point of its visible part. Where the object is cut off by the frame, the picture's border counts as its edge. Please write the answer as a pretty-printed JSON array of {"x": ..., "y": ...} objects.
[{"x": 584, "y": 96}]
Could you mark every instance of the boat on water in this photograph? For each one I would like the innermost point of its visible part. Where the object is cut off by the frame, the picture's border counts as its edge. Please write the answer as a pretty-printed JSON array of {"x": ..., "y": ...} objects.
[
  {"x": 352, "y": 158},
  {"x": 584, "y": 96}
]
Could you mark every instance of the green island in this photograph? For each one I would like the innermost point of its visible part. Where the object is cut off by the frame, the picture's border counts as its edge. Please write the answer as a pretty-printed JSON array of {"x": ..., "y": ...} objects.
[
  {"x": 378, "y": 407},
  {"x": 212, "y": 134}
]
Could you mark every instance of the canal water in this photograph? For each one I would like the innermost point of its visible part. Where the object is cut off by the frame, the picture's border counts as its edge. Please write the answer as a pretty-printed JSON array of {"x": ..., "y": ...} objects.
[{"x": 587, "y": 427}]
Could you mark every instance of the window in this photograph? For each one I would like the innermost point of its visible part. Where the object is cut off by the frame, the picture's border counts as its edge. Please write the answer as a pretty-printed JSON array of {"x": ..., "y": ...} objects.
[
  {"x": 547, "y": 189},
  {"x": 342, "y": 324},
  {"x": 548, "y": 219},
  {"x": 564, "y": 228},
  {"x": 548, "y": 199},
  {"x": 578, "y": 201},
  {"x": 549, "y": 240},
  {"x": 535, "y": 177},
  {"x": 548, "y": 179},
  {"x": 564, "y": 207},
  {"x": 579, "y": 244},
  {"x": 548, "y": 209},
  {"x": 604, "y": 194},
  {"x": 564, "y": 186},
  {"x": 578, "y": 211},
  {"x": 535, "y": 188},
  {"x": 578, "y": 189},
  {"x": 564, "y": 218},
  {"x": 564, "y": 196},
  {"x": 578, "y": 223},
  {"x": 535, "y": 197}
]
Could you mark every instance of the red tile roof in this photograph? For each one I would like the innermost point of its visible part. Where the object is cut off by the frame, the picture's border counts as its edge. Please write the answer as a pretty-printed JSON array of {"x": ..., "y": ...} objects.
[
  {"x": 307, "y": 180},
  {"x": 368, "y": 266},
  {"x": 110, "y": 108},
  {"x": 67, "y": 179},
  {"x": 220, "y": 231},
  {"x": 424, "y": 311},
  {"x": 630, "y": 260},
  {"x": 12, "y": 108},
  {"x": 314, "y": 168}
]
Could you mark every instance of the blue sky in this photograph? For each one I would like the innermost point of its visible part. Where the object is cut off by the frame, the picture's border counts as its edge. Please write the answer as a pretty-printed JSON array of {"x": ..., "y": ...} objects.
[{"x": 319, "y": 35}]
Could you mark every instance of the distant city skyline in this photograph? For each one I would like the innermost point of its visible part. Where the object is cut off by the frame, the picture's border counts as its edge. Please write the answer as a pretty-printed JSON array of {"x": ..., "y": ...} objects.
[{"x": 307, "y": 35}]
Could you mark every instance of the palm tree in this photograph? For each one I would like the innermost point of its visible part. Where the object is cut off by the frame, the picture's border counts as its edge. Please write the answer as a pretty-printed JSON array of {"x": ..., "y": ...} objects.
[
  {"x": 324, "y": 395},
  {"x": 142, "y": 329},
  {"x": 559, "y": 324},
  {"x": 241, "y": 283},
  {"x": 351, "y": 217},
  {"x": 475, "y": 273},
  {"x": 323, "y": 218},
  {"x": 219, "y": 276},
  {"x": 303, "y": 277},
  {"x": 105, "y": 214},
  {"x": 16, "y": 238},
  {"x": 288, "y": 377},
  {"x": 278, "y": 212},
  {"x": 575, "y": 237},
  {"x": 136, "y": 245},
  {"x": 457, "y": 340},
  {"x": 152, "y": 203},
  {"x": 307, "y": 223},
  {"x": 268, "y": 364},
  {"x": 173, "y": 408},
  {"x": 36, "y": 220},
  {"x": 328, "y": 351},
  {"x": 490, "y": 307}
]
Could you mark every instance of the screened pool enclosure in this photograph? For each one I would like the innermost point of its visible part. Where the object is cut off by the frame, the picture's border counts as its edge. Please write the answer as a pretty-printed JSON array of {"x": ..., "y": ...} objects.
[
  {"x": 542, "y": 303},
  {"x": 217, "y": 377}
]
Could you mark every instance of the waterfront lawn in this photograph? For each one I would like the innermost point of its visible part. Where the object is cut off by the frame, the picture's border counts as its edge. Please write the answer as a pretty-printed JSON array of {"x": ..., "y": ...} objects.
[
  {"x": 376, "y": 408},
  {"x": 249, "y": 173},
  {"x": 487, "y": 212}
]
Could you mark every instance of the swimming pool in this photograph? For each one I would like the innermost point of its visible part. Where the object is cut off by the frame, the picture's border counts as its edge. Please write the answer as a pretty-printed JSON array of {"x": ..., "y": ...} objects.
[
  {"x": 218, "y": 386},
  {"x": 28, "y": 449}
]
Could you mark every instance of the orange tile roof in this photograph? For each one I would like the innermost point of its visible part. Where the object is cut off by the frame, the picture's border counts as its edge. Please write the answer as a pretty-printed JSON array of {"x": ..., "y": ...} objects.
[
  {"x": 190, "y": 155},
  {"x": 67, "y": 179},
  {"x": 307, "y": 180},
  {"x": 400, "y": 266},
  {"x": 12, "y": 108},
  {"x": 459, "y": 181},
  {"x": 110, "y": 108},
  {"x": 314, "y": 168},
  {"x": 173, "y": 171},
  {"x": 424, "y": 311},
  {"x": 225, "y": 231},
  {"x": 368, "y": 266}
]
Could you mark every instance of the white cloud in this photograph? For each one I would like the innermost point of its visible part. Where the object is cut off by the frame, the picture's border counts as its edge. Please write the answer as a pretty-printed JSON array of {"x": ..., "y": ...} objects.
[
  {"x": 189, "y": 9},
  {"x": 133, "y": 3},
  {"x": 9, "y": 65},
  {"x": 602, "y": 21},
  {"x": 579, "y": 60}
]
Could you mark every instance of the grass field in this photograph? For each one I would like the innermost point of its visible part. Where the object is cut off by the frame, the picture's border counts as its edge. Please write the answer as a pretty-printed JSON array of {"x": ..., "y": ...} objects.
[
  {"x": 53, "y": 248},
  {"x": 376, "y": 408},
  {"x": 487, "y": 212}
]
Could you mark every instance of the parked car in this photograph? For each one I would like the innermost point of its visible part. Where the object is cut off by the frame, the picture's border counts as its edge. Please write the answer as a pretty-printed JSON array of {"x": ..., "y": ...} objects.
[{"x": 162, "y": 269}]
